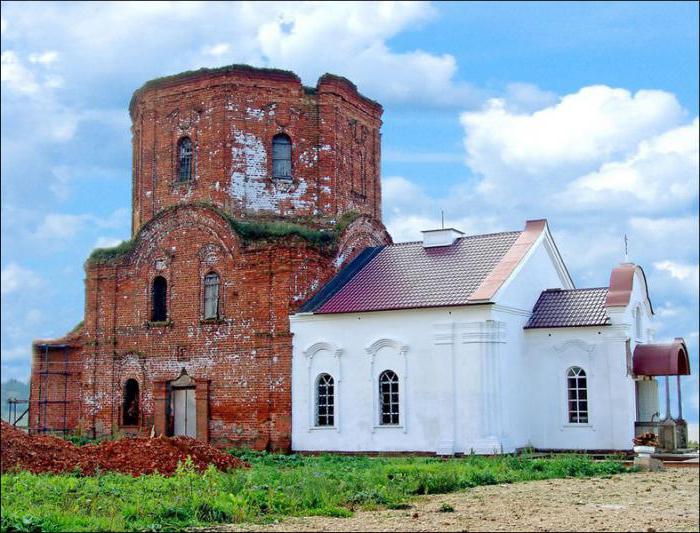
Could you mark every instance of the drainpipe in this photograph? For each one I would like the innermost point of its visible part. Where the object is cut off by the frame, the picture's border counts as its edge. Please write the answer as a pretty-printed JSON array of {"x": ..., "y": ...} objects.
[{"x": 680, "y": 408}]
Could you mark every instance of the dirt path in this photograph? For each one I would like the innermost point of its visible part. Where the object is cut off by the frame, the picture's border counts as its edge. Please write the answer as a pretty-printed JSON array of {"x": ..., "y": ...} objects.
[{"x": 663, "y": 501}]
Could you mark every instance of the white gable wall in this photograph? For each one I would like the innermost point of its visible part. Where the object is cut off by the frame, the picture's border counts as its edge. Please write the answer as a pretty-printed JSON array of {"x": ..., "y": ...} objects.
[
  {"x": 471, "y": 379},
  {"x": 515, "y": 301}
]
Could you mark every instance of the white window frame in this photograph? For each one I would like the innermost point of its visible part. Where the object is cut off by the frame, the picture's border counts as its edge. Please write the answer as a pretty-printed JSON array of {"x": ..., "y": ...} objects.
[
  {"x": 577, "y": 411},
  {"x": 380, "y": 401},
  {"x": 317, "y": 398}
]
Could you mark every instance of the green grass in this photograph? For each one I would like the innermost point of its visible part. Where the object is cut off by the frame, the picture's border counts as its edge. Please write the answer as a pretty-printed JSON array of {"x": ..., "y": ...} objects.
[{"x": 276, "y": 486}]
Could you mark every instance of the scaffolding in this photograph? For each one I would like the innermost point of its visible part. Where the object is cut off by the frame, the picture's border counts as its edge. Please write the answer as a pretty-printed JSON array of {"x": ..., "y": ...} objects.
[
  {"x": 12, "y": 404},
  {"x": 44, "y": 401}
]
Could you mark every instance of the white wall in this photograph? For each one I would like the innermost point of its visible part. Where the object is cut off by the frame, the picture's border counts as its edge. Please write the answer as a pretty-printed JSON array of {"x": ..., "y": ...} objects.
[
  {"x": 601, "y": 353},
  {"x": 471, "y": 379}
]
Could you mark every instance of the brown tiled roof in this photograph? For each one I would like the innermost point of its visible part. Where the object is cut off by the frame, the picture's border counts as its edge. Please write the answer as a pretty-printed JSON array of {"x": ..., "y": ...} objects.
[
  {"x": 560, "y": 308},
  {"x": 407, "y": 275}
]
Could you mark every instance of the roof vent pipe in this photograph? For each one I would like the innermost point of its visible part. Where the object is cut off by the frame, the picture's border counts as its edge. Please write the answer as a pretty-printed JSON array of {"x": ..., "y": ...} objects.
[{"x": 440, "y": 237}]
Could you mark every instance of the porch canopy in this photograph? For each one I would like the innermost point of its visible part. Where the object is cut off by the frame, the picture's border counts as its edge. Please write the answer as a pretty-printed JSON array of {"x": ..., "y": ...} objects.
[{"x": 661, "y": 359}]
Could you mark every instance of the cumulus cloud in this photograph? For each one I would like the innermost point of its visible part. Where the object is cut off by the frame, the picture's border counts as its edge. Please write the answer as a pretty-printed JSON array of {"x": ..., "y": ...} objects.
[
  {"x": 15, "y": 75},
  {"x": 44, "y": 58},
  {"x": 525, "y": 156},
  {"x": 15, "y": 277},
  {"x": 662, "y": 173},
  {"x": 347, "y": 38},
  {"x": 65, "y": 227},
  {"x": 688, "y": 275}
]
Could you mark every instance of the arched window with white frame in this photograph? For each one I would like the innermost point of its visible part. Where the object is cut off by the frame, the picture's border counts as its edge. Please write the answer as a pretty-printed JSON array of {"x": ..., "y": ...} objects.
[
  {"x": 325, "y": 401},
  {"x": 388, "y": 398},
  {"x": 577, "y": 394}
]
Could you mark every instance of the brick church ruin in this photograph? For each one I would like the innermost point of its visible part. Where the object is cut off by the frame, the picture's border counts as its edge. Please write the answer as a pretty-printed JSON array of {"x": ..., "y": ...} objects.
[{"x": 249, "y": 192}]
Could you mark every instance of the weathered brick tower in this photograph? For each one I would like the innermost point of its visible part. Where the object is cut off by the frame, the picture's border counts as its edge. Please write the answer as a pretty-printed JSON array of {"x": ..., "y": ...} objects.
[{"x": 249, "y": 191}]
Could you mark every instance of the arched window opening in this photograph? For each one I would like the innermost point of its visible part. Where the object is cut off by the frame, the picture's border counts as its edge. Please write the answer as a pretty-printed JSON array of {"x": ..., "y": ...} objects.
[
  {"x": 159, "y": 295},
  {"x": 325, "y": 400},
  {"x": 389, "y": 398},
  {"x": 577, "y": 390},
  {"x": 184, "y": 159},
  {"x": 211, "y": 295},
  {"x": 281, "y": 157},
  {"x": 130, "y": 415}
]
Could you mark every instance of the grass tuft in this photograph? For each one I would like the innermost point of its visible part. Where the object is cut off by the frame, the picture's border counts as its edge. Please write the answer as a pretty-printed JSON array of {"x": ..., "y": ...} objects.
[{"x": 274, "y": 487}]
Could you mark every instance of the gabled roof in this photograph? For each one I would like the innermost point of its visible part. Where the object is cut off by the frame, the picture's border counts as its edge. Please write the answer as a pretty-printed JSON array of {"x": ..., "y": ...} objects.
[
  {"x": 408, "y": 275},
  {"x": 561, "y": 308}
]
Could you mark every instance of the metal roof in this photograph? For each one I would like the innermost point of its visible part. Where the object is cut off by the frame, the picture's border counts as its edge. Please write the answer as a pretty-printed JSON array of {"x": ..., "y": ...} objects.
[
  {"x": 561, "y": 308},
  {"x": 408, "y": 275}
]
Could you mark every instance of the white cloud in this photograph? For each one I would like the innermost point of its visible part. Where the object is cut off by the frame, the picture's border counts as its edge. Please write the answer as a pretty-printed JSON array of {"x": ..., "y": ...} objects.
[
  {"x": 17, "y": 77},
  {"x": 217, "y": 49},
  {"x": 687, "y": 274},
  {"x": 106, "y": 242},
  {"x": 44, "y": 58},
  {"x": 661, "y": 173},
  {"x": 346, "y": 38},
  {"x": 64, "y": 227},
  {"x": 526, "y": 157},
  {"x": 15, "y": 277}
]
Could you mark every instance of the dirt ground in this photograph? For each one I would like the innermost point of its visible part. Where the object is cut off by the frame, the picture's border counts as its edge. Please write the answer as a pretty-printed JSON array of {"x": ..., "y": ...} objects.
[{"x": 661, "y": 501}]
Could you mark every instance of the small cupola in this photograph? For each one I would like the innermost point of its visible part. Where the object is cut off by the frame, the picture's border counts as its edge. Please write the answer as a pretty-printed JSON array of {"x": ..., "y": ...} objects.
[{"x": 440, "y": 237}]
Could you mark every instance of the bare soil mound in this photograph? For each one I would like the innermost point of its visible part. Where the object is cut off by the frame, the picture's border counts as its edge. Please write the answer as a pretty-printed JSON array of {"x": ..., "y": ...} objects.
[{"x": 134, "y": 456}]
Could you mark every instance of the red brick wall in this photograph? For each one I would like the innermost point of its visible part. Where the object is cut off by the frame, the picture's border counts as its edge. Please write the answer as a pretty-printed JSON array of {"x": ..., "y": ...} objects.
[
  {"x": 241, "y": 363},
  {"x": 231, "y": 118}
]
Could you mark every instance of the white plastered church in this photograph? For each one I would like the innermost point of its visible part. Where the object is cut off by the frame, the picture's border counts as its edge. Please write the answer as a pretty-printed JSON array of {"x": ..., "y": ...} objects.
[{"x": 478, "y": 344}]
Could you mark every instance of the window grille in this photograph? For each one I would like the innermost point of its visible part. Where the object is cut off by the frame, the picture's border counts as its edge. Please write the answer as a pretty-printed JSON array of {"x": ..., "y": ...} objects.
[
  {"x": 211, "y": 295},
  {"x": 184, "y": 159},
  {"x": 325, "y": 400},
  {"x": 578, "y": 395},
  {"x": 130, "y": 415},
  {"x": 281, "y": 157},
  {"x": 159, "y": 293},
  {"x": 389, "y": 398}
]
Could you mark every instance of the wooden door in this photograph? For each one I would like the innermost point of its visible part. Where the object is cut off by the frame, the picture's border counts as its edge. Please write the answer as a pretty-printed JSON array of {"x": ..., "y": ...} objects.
[{"x": 185, "y": 412}]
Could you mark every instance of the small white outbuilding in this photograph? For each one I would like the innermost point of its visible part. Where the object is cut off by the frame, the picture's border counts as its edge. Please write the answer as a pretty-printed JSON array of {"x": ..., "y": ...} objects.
[{"x": 461, "y": 344}]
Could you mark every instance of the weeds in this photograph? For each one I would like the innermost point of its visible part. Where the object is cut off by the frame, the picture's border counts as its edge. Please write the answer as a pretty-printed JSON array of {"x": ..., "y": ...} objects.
[{"x": 276, "y": 486}]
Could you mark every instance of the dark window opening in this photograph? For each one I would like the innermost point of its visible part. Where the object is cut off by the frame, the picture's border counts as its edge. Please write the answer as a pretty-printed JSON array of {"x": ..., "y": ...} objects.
[
  {"x": 325, "y": 400},
  {"x": 184, "y": 159},
  {"x": 159, "y": 296},
  {"x": 211, "y": 295},
  {"x": 389, "y": 398},
  {"x": 131, "y": 403},
  {"x": 281, "y": 157}
]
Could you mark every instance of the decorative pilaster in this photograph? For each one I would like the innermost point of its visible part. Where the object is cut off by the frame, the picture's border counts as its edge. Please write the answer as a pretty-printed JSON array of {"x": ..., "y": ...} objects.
[
  {"x": 444, "y": 355},
  {"x": 489, "y": 335}
]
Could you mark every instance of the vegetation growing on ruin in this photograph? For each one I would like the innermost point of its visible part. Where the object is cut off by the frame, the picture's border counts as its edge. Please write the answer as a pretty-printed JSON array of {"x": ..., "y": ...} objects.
[
  {"x": 249, "y": 230},
  {"x": 276, "y": 486},
  {"x": 164, "y": 80},
  {"x": 100, "y": 256}
]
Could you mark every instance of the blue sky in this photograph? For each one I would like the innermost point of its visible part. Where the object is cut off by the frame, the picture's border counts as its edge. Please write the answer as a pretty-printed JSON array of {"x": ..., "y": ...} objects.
[{"x": 583, "y": 113}]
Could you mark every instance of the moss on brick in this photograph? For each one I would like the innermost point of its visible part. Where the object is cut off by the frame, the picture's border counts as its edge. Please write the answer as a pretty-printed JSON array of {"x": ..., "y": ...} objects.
[
  {"x": 188, "y": 74},
  {"x": 101, "y": 256}
]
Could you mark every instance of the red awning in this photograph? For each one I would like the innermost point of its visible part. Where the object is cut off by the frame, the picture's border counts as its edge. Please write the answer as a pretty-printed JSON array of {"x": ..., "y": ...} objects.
[{"x": 661, "y": 359}]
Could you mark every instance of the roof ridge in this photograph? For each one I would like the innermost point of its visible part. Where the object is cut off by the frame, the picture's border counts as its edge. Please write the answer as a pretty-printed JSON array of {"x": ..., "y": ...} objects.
[
  {"x": 575, "y": 289},
  {"x": 462, "y": 237}
]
